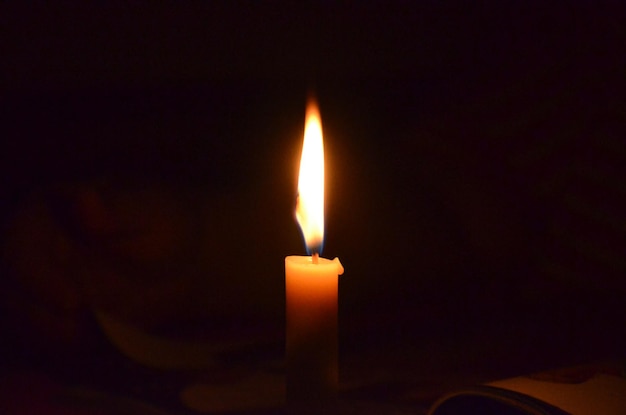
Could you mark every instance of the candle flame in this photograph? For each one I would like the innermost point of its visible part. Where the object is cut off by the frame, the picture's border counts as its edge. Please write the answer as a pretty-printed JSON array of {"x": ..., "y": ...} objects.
[{"x": 310, "y": 204}]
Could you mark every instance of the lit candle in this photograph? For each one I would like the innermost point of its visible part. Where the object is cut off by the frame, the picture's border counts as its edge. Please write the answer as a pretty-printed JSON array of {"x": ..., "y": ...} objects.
[{"x": 311, "y": 283}]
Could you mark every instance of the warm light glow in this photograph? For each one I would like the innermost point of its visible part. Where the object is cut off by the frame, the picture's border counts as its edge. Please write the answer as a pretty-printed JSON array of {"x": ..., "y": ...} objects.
[{"x": 310, "y": 204}]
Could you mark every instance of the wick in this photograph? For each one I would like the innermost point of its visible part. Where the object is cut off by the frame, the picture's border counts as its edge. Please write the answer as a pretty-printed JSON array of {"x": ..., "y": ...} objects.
[{"x": 315, "y": 258}]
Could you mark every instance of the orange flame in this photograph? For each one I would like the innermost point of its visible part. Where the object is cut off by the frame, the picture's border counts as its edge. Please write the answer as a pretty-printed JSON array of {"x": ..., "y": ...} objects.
[{"x": 310, "y": 204}]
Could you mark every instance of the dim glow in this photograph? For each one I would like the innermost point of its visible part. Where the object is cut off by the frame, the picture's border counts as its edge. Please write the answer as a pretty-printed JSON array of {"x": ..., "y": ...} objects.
[{"x": 310, "y": 204}]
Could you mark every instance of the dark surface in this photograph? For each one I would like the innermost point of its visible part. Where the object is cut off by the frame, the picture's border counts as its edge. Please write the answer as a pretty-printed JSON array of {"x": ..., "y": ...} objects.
[{"x": 475, "y": 184}]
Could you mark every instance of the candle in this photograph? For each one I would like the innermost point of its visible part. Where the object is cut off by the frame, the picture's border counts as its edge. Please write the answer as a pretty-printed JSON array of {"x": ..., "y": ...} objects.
[{"x": 311, "y": 283}]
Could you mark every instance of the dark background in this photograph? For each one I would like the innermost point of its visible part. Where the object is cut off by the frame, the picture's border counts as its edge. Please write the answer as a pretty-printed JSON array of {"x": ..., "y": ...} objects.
[{"x": 475, "y": 169}]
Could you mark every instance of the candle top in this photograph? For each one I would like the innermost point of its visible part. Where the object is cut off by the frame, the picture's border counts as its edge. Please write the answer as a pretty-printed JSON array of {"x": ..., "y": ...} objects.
[{"x": 306, "y": 261}]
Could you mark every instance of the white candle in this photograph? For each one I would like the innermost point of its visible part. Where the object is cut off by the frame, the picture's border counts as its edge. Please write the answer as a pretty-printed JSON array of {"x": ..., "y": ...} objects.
[
  {"x": 311, "y": 284},
  {"x": 312, "y": 372}
]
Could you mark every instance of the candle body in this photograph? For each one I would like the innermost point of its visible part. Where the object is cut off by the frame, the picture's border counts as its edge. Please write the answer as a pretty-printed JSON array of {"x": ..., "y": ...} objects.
[{"x": 311, "y": 367}]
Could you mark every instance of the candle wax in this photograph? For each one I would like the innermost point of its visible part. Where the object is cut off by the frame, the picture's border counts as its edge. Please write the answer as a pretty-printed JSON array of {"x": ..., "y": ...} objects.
[{"x": 311, "y": 288}]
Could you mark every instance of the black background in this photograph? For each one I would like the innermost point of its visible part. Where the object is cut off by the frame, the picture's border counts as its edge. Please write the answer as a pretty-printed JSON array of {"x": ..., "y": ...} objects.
[{"x": 456, "y": 133}]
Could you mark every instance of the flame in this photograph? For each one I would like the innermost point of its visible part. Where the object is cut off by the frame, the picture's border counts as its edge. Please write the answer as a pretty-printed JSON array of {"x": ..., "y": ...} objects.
[{"x": 310, "y": 204}]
